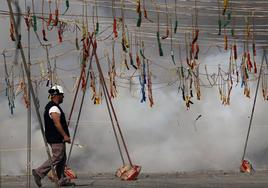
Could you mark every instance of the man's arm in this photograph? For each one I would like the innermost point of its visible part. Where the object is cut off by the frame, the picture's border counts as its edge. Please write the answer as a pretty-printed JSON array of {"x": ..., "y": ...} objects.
[{"x": 56, "y": 119}]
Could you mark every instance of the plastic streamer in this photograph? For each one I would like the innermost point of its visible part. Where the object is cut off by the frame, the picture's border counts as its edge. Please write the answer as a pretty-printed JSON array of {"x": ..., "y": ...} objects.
[
  {"x": 111, "y": 74},
  {"x": 264, "y": 83},
  {"x": 137, "y": 52},
  {"x": 130, "y": 53},
  {"x": 11, "y": 31},
  {"x": 34, "y": 18},
  {"x": 195, "y": 34},
  {"x": 176, "y": 18},
  {"x": 244, "y": 75},
  {"x": 171, "y": 46},
  {"x": 149, "y": 85},
  {"x": 254, "y": 52},
  {"x": 76, "y": 38},
  {"x": 158, "y": 32},
  {"x": 9, "y": 87},
  {"x": 97, "y": 18},
  {"x": 219, "y": 19},
  {"x": 67, "y": 4},
  {"x": 225, "y": 6},
  {"x": 124, "y": 40},
  {"x": 114, "y": 21},
  {"x": 138, "y": 10},
  {"x": 24, "y": 89},
  {"x": 56, "y": 20},
  {"x": 145, "y": 12},
  {"x": 27, "y": 19},
  {"x": 142, "y": 78},
  {"x": 43, "y": 23},
  {"x": 167, "y": 29},
  {"x": 50, "y": 14}
]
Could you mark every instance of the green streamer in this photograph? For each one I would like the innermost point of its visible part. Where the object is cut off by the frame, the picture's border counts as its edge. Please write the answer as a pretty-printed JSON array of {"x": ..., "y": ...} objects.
[
  {"x": 139, "y": 20},
  {"x": 232, "y": 32},
  {"x": 35, "y": 23},
  {"x": 159, "y": 44},
  {"x": 176, "y": 25},
  {"x": 67, "y": 4},
  {"x": 219, "y": 24},
  {"x": 97, "y": 28}
]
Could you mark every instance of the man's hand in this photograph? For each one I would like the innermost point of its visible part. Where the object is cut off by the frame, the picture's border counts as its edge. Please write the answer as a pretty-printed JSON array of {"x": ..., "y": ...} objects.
[{"x": 67, "y": 139}]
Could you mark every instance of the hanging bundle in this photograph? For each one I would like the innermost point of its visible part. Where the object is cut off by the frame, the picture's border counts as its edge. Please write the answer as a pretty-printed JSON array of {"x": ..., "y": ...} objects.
[
  {"x": 188, "y": 95},
  {"x": 244, "y": 79},
  {"x": 235, "y": 58},
  {"x": 221, "y": 86},
  {"x": 83, "y": 77},
  {"x": 23, "y": 87},
  {"x": 124, "y": 42},
  {"x": 92, "y": 84},
  {"x": 197, "y": 84},
  {"x": 111, "y": 74},
  {"x": 249, "y": 63}
]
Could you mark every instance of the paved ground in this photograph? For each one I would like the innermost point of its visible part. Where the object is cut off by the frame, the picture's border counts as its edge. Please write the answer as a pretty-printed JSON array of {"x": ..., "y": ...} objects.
[{"x": 160, "y": 180}]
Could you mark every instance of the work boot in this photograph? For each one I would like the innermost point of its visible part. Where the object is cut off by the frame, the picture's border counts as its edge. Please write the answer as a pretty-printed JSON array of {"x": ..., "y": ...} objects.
[
  {"x": 37, "y": 178},
  {"x": 65, "y": 182}
]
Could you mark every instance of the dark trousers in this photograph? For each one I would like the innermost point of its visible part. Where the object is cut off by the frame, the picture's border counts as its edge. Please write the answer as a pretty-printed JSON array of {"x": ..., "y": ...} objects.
[{"x": 58, "y": 160}]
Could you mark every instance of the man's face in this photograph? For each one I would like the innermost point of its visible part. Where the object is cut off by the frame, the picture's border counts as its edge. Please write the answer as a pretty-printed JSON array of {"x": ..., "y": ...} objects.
[{"x": 61, "y": 96}]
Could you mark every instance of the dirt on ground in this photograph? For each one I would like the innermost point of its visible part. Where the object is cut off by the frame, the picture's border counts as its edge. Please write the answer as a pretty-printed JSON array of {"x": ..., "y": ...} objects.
[{"x": 211, "y": 179}]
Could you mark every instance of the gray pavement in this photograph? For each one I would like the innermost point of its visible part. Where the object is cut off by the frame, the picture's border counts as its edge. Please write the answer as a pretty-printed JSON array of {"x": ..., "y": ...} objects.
[{"x": 157, "y": 180}]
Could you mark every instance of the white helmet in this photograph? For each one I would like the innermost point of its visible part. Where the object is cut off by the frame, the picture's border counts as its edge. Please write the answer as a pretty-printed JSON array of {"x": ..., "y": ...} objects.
[{"x": 55, "y": 90}]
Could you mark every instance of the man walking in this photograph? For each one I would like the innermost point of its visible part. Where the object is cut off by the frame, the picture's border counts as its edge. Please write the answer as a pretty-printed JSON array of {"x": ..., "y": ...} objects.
[{"x": 57, "y": 133}]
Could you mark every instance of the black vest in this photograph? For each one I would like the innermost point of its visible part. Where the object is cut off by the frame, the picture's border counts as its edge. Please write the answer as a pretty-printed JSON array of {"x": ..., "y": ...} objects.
[{"x": 52, "y": 134}]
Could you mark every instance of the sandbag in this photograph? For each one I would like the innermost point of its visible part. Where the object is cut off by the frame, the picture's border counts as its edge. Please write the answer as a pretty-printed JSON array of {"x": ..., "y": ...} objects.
[
  {"x": 68, "y": 172},
  {"x": 128, "y": 172},
  {"x": 246, "y": 167}
]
